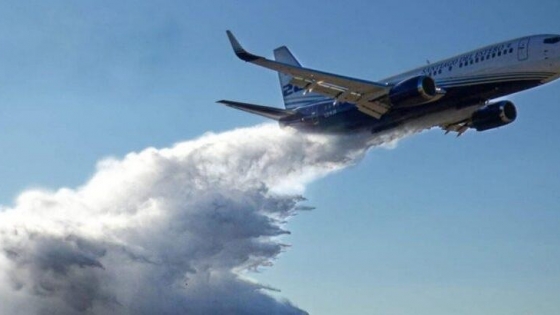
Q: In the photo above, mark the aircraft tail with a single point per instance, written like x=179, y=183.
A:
x=294, y=96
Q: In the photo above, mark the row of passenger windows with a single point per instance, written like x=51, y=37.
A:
x=493, y=55
x=476, y=60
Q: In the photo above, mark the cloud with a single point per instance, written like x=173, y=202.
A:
x=166, y=231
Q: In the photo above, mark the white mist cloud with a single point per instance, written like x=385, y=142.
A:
x=165, y=231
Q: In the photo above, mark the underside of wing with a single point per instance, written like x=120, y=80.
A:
x=265, y=111
x=481, y=118
x=458, y=127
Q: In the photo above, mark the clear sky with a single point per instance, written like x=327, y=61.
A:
x=437, y=225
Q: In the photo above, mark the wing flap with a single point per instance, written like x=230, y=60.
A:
x=374, y=109
x=459, y=127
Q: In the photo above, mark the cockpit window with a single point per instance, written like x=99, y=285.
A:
x=552, y=40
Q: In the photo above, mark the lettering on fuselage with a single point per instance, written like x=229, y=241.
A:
x=330, y=113
x=469, y=58
x=290, y=89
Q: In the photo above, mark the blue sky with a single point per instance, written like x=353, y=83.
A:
x=437, y=225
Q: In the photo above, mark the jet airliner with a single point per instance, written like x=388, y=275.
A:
x=455, y=94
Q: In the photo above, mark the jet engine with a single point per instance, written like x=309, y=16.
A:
x=493, y=116
x=413, y=91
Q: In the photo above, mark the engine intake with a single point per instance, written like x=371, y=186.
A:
x=413, y=91
x=494, y=116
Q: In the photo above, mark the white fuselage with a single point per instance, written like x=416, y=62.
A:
x=526, y=59
x=522, y=58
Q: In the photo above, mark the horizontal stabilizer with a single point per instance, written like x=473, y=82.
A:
x=265, y=111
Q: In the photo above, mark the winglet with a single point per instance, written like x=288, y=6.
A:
x=239, y=51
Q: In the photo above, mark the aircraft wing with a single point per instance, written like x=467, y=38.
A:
x=368, y=96
x=265, y=111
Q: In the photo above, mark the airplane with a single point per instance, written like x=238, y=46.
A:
x=455, y=94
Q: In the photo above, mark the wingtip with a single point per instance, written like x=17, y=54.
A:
x=238, y=49
x=234, y=43
x=227, y=103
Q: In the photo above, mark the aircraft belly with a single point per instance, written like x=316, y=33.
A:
x=459, y=101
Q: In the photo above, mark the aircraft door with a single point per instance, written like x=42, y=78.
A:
x=523, y=49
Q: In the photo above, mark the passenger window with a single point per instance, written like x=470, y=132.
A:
x=510, y=50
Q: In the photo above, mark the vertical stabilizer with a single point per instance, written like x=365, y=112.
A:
x=294, y=96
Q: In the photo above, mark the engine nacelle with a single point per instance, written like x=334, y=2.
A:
x=494, y=116
x=413, y=91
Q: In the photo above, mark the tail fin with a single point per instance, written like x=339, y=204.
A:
x=294, y=96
